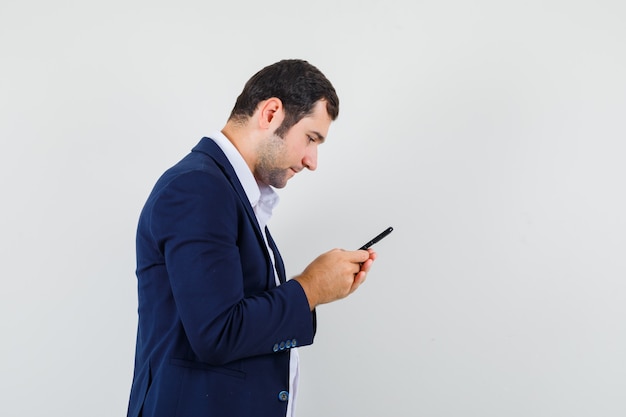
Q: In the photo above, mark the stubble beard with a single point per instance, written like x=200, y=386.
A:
x=268, y=169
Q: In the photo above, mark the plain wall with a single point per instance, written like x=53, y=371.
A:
x=489, y=134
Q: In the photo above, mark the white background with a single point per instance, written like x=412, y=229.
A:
x=489, y=134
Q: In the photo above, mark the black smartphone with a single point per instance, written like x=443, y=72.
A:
x=377, y=238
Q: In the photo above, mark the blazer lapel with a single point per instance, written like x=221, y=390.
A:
x=212, y=149
x=280, y=265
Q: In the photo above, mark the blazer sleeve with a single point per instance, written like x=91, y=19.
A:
x=195, y=221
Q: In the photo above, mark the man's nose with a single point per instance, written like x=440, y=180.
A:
x=310, y=159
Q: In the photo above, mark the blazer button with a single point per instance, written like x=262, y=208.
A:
x=282, y=345
x=293, y=343
x=276, y=347
x=288, y=344
x=283, y=396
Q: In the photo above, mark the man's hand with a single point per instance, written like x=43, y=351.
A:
x=335, y=275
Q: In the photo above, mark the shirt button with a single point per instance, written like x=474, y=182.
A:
x=283, y=396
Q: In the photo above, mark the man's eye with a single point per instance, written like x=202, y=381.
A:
x=311, y=139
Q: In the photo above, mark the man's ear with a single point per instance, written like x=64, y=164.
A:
x=271, y=113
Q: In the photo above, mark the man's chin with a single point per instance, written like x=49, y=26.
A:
x=282, y=181
x=281, y=184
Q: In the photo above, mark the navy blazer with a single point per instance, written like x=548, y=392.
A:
x=214, y=330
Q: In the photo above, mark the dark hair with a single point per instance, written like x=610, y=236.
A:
x=298, y=84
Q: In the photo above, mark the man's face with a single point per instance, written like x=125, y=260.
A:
x=279, y=159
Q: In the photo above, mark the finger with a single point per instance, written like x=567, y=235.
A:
x=359, y=256
x=358, y=280
x=367, y=265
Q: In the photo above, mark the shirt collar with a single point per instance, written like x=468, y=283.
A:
x=262, y=197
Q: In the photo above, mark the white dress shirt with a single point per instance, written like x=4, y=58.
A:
x=263, y=200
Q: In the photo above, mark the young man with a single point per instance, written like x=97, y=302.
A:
x=219, y=322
